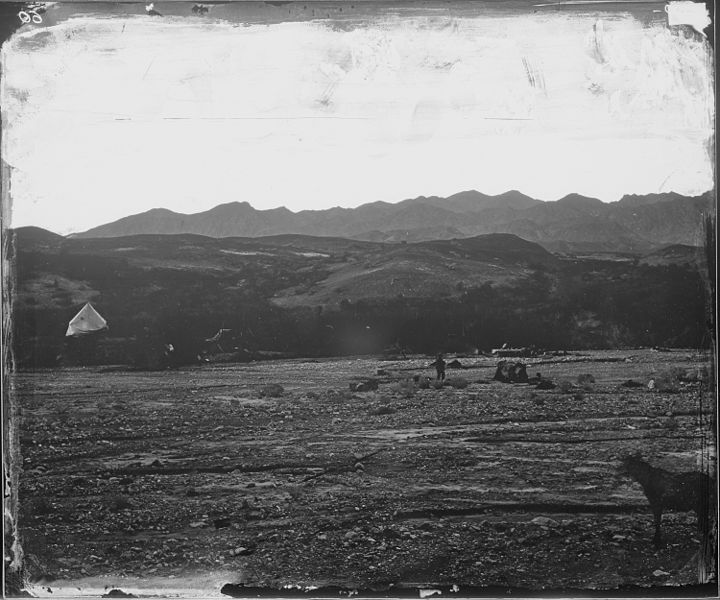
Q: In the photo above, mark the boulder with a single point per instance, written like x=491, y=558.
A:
x=369, y=385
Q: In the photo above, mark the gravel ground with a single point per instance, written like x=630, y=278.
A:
x=164, y=475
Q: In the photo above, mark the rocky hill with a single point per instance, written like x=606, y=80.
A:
x=573, y=223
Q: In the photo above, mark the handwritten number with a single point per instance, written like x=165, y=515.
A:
x=28, y=16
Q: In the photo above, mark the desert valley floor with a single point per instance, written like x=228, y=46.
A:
x=210, y=471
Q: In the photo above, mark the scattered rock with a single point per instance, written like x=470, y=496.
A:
x=370, y=385
x=115, y=593
x=196, y=524
x=565, y=386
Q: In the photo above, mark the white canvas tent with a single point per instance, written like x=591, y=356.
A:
x=88, y=320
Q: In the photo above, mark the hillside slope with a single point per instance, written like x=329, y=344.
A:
x=314, y=296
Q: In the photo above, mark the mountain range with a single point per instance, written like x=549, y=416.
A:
x=574, y=223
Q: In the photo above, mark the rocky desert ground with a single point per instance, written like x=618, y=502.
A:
x=276, y=473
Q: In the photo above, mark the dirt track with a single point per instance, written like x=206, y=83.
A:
x=191, y=471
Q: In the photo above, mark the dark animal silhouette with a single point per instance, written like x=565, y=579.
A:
x=674, y=491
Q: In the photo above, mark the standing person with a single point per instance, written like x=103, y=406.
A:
x=440, y=367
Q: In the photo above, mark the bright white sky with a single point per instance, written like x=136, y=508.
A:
x=106, y=117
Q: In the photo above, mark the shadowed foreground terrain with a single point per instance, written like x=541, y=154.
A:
x=212, y=472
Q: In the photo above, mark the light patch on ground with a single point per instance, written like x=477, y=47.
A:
x=312, y=254
x=246, y=253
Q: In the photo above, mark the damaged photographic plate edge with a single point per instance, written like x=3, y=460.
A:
x=22, y=17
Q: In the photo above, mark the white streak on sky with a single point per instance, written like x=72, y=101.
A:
x=109, y=117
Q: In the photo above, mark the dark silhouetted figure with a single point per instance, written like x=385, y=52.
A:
x=501, y=373
x=439, y=365
x=521, y=375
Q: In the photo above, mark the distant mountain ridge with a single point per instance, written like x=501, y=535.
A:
x=573, y=223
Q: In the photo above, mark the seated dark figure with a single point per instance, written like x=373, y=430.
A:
x=521, y=375
x=501, y=373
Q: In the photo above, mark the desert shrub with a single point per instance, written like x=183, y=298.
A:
x=586, y=380
x=459, y=383
x=664, y=383
x=405, y=387
x=117, y=502
x=338, y=395
x=565, y=386
x=272, y=390
x=673, y=373
x=436, y=384
x=536, y=399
